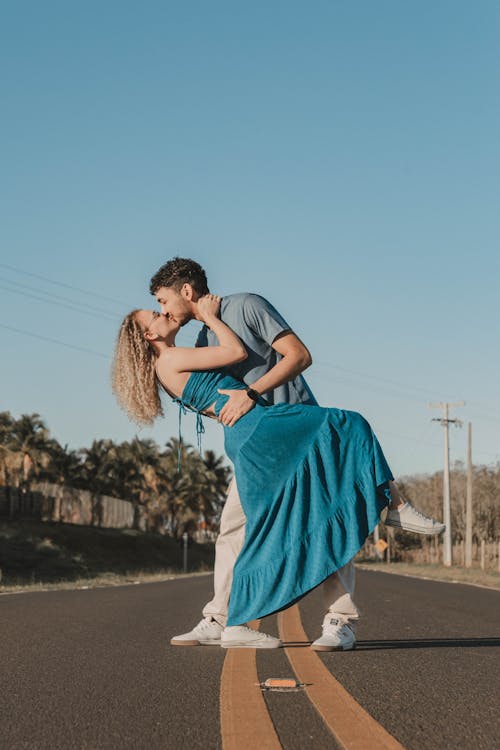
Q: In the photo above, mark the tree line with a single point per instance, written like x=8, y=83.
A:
x=139, y=471
x=172, y=502
x=426, y=491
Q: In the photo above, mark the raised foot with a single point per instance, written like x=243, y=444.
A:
x=409, y=518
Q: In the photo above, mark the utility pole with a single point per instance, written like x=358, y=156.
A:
x=185, y=539
x=468, y=507
x=445, y=422
x=376, y=537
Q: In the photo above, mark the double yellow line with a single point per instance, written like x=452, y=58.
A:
x=245, y=719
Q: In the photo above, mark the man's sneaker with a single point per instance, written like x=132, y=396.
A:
x=337, y=636
x=410, y=519
x=239, y=636
x=206, y=633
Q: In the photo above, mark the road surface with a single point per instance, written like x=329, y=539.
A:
x=92, y=669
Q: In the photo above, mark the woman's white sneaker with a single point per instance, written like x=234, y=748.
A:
x=206, y=633
x=239, y=636
x=410, y=519
x=337, y=636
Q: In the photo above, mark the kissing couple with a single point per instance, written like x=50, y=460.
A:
x=309, y=482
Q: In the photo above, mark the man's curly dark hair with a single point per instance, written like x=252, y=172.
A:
x=177, y=272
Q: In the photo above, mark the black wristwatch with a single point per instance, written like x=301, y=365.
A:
x=254, y=395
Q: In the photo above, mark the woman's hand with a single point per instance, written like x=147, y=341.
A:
x=208, y=307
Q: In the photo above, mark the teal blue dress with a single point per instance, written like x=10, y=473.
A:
x=312, y=482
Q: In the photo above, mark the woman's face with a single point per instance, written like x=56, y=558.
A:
x=156, y=323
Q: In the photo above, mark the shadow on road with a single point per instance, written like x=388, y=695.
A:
x=413, y=643
x=428, y=643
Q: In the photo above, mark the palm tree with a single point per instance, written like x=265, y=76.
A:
x=192, y=497
x=26, y=447
x=6, y=425
x=222, y=476
x=177, y=498
x=136, y=468
x=98, y=462
x=65, y=467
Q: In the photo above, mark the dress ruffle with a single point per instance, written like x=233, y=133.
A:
x=313, y=517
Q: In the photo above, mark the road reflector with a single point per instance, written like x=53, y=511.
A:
x=381, y=545
x=281, y=684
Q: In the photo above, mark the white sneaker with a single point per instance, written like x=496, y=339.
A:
x=239, y=636
x=337, y=636
x=206, y=633
x=410, y=519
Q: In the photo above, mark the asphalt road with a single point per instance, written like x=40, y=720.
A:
x=427, y=663
x=93, y=669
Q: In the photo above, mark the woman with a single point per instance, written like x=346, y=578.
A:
x=312, y=480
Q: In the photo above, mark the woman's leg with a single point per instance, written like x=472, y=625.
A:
x=397, y=500
x=338, y=591
x=341, y=617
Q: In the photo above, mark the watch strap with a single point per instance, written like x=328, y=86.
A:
x=254, y=395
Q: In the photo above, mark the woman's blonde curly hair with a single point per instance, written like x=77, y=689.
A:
x=133, y=375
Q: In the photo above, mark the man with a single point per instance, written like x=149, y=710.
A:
x=273, y=370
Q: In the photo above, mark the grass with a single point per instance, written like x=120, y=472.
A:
x=455, y=574
x=50, y=555
x=101, y=581
x=40, y=556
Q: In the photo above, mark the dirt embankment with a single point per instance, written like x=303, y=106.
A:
x=33, y=553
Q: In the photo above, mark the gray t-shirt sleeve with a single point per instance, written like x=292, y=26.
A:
x=263, y=319
x=202, y=339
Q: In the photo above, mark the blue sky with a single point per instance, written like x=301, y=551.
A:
x=341, y=159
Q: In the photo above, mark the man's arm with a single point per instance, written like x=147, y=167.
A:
x=295, y=359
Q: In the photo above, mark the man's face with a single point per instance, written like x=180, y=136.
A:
x=174, y=304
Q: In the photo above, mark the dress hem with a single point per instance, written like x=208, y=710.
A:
x=304, y=588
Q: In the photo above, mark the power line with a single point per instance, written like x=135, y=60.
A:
x=87, y=309
x=60, y=283
x=59, y=304
x=37, y=290
x=367, y=386
x=320, y=364
x=406, y=386
x=55, y=341
x=74, y=306
x=383, y=431
x=482, y=405
x=390, y=392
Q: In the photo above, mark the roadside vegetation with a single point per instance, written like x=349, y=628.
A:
x=455, y=574
x=140, y=471
x=169, y=504
x=35, y=553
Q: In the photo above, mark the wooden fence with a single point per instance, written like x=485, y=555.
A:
x=485, y=554
x=54, y=502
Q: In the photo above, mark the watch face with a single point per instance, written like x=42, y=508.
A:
x=252, y=394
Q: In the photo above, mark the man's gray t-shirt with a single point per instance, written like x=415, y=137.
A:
x=257, y=323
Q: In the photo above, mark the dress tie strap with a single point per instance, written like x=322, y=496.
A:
x=200, y=427
x=182, y=410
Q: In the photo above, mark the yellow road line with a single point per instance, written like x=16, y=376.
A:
x=350, y=724
x=244, y=718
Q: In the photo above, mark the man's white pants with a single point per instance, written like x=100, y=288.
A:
x=338, y=589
